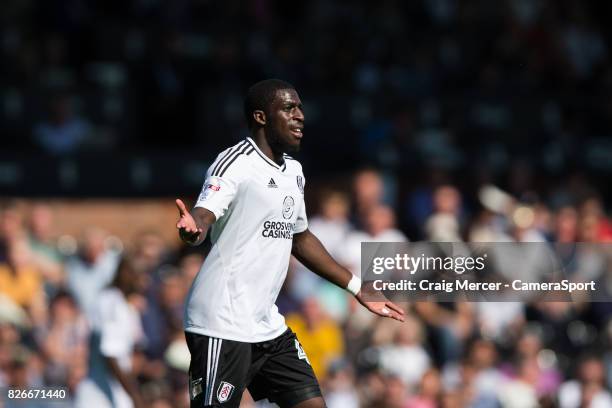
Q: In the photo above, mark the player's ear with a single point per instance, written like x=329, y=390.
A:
x=259, y=117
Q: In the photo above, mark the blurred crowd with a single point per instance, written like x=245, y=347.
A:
x=480, y=354
x=450, y=83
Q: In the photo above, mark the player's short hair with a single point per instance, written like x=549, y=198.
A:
x=260, y=96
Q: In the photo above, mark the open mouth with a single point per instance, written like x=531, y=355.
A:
x=297, y=132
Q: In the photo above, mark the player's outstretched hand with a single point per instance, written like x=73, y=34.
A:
x=188, y=229
x=376, y=302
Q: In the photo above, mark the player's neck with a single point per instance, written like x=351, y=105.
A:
x=264, y=146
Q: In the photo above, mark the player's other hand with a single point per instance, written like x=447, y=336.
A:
x=188, y=229
x=376, y=302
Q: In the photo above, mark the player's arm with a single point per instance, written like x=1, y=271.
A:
x=308, y=250
x=127, y=381
x=193, y=226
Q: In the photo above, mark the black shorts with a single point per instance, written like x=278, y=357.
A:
x=277, y=369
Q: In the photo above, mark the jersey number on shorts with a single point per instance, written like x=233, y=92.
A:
x=301, y=352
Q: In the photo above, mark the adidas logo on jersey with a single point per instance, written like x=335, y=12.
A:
x=272, y=184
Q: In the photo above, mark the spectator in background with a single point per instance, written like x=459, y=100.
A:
x=477, y=377
x=10, y=338
x=339, y=387
x=331, y=226
x=499, y=321
x=548, y=378
x=523, y=225
x=443, y=224
x=368, y=189
x=64, y=342
x=429, y=391
x=379, y=224
x=11, y=227
x=484, y=356
x=319, y=335
x=189, y=264
x=91, y=270
x=148, y=255
x=172, y=294
x=406, y=358
x=149, y=251
x=21, y=374
x=332, y=223
x=42, y=244
x=63, y=132
x=596, y=227
x=449, y=326
x=41, y=231
x=116, y=331
x=162, y=309
x=395, y=394
x=21, y=282
x=521, y=391
x=566, y=225
x=589, y=388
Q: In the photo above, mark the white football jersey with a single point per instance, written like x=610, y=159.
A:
x=259, y=205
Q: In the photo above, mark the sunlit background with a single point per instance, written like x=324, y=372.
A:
x=440, y=120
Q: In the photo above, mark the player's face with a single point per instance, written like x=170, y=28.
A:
x=286, y=122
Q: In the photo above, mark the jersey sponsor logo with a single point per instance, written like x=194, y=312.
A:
x=272, y=184
x=288, y=204
x=213, y=187
x=300, y=351
x=278, y=229
x=300, y=183
x=225, y=391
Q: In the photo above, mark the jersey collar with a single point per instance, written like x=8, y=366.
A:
x=265, y=158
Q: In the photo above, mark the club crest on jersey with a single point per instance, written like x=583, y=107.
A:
x=300, y=183
x=288, y=204
x=225, y=391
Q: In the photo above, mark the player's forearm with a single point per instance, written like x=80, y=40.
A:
x=308, y=250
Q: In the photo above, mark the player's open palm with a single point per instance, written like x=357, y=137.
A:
x=376, y=302
x=188, y=229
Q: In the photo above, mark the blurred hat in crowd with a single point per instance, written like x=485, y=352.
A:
x=177, y=356
x=12, y=313
x=495, y=199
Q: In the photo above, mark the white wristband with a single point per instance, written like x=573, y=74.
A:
x=354, y=285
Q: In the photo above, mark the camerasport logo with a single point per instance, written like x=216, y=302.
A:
x=225, y=391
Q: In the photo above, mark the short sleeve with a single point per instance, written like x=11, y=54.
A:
x=218, y=190
x=301, y=223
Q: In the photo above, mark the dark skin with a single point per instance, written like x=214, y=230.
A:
x=279, y=131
